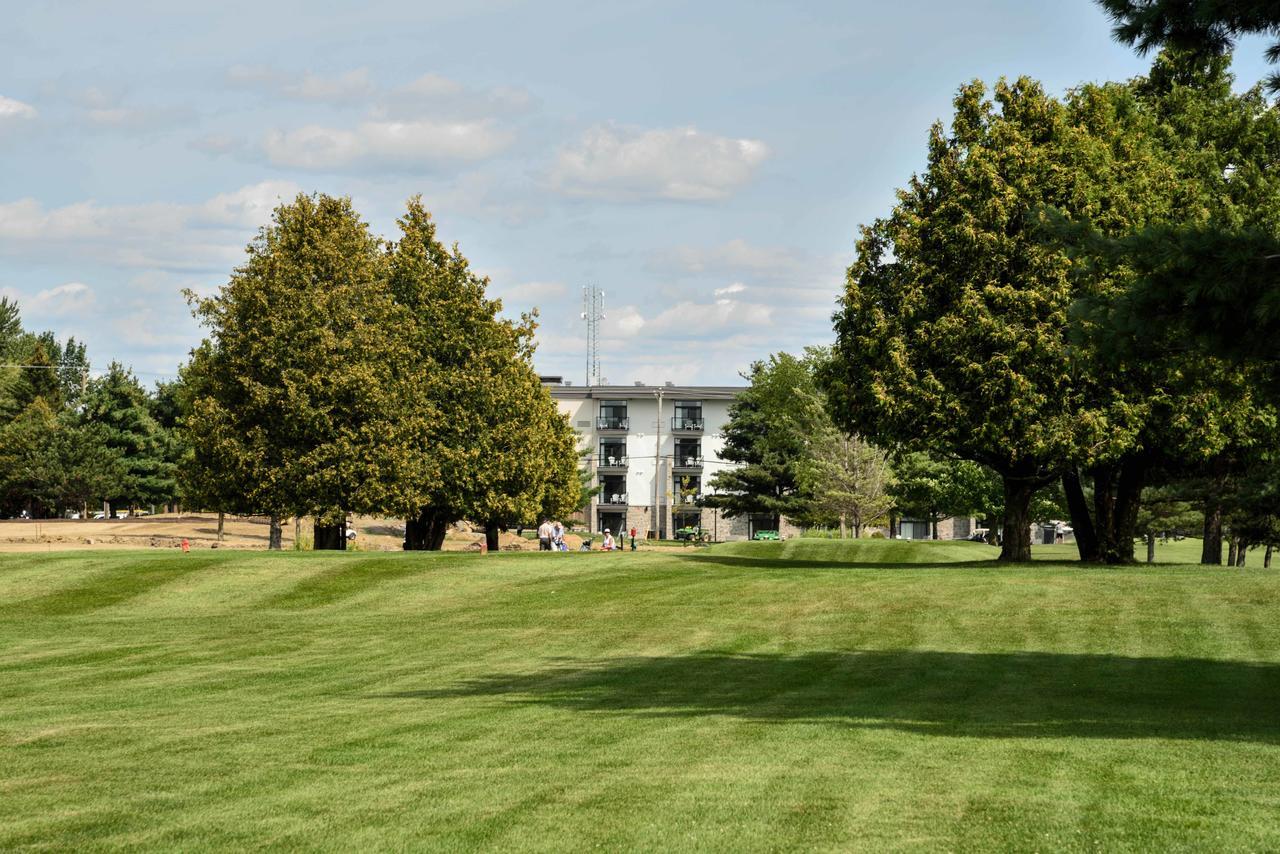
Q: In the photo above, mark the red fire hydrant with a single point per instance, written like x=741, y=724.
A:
x=186, y=546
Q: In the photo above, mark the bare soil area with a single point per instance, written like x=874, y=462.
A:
x=200, y=530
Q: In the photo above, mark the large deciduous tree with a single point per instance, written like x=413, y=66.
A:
x=497, y=451
x=298, y=394
x=951, y=335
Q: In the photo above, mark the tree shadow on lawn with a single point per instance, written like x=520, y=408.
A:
x=987, y=695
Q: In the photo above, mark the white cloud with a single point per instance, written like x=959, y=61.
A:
x=70, y=299
x=11, y=108
x=689, y=320
x=793, y=276
x=338, y=88
x=351, y=85
x=432, y=85
x=207, y=235
x=729, y=290
x=421, y=142
x=683, y=164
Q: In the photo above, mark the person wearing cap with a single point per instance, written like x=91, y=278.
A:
x=607, y=545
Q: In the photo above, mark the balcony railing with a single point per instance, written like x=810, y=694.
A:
x=611, y=461
x=690, y=425
x=613, y=499
x=611, y=422
x=687, y=461
x=690, y=498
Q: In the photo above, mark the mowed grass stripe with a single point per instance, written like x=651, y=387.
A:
x=551, y=702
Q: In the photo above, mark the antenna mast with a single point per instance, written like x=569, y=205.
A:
x=593, y=313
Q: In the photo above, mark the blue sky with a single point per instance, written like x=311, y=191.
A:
x=706, y=164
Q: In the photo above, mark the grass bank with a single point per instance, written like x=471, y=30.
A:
x=799, y=695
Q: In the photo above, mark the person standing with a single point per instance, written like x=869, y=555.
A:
x=557, y=537
x=544, y=536
x=633, y=538
x=608, y=544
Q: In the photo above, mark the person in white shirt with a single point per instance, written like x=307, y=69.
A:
x=607, y=545
x=557, y=537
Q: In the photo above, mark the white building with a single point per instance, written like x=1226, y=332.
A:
x=652, y=451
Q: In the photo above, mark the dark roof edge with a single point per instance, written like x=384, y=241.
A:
x=624, y=392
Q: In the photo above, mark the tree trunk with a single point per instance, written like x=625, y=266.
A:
x=1211, y=549
x=273, y=536
x=330, y=537
x=491, y=536
x=1017, y=519
x=297, y=533
x=933, y=525
x=1242, y=551
x=844, y=528
x=222, y=518
x=1231, y=552
x=1118, y=547
x=1151, y=546
x=1081, y=521
x=1266, y=557
x=893, y=525
x=425, y=533
x=992, y=536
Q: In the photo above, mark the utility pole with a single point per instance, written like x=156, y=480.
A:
x=593, y=313
x=659, y=484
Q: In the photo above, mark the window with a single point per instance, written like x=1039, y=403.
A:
x=688, y=415
x=613, y=452
x=688, y=453
x=613, y=415
x=613, y=490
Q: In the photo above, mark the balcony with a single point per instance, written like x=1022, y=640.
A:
x=689, y=499
x=612, y=499
x=686, y=462
x=612, y=422
x=682, y=424
x=611, y=461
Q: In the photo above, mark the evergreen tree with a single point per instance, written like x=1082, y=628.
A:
x=117, y=404
x=768, y=433
x=1201, y=26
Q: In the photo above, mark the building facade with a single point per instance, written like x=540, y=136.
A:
x=652, y=450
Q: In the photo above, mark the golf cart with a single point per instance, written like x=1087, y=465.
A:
x=766, y=535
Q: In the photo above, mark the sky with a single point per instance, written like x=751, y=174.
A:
x=706, y=164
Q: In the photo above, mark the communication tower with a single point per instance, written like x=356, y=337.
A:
x=593, y=313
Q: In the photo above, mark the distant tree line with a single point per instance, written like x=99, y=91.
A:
x=71, y=442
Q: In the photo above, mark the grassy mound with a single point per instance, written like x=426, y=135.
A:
x=725, y=699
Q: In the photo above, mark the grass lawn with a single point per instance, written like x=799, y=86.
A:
x=811, y=694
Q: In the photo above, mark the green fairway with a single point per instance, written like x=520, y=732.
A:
x=762, y=696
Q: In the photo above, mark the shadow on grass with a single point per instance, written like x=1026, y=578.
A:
x=986, y=695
